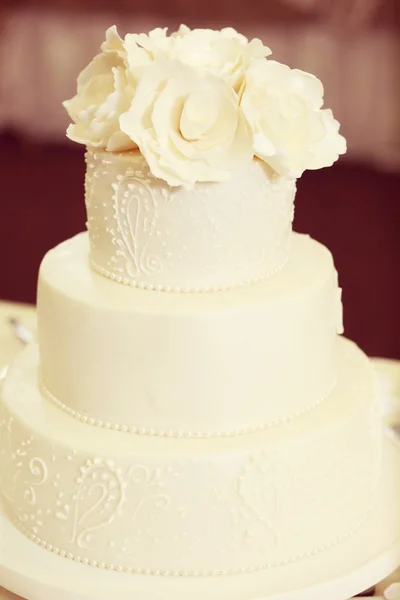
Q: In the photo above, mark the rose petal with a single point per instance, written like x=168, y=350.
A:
x=113, y=43
x=199, y=114
x=101, y=64
x=283, y=108
x=170, y=100
x=119, y=142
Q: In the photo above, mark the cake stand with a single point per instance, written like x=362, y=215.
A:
x=337, y=574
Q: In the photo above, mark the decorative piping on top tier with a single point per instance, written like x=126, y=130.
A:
x=175, y=433
x=167, y=288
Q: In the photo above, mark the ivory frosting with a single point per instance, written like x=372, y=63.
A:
x=184, y=507
x=217, y=363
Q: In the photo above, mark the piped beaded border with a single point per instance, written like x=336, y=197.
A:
x=176, y=433
x=193, y=573
x=181, y=290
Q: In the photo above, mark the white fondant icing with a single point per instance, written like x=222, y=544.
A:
x=170, y=432
x=190, y=507
x=218, y=235
x=209, y=363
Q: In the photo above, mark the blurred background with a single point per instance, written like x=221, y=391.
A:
x=353, y=208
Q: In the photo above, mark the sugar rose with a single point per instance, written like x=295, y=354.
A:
x=291, y=132
x=189, y=128
x=143, y=49
x=104, y=92
x=226, y=53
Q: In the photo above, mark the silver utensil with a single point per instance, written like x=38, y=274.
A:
x=22, y=334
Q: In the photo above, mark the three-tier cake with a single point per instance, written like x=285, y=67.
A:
x=190, y=406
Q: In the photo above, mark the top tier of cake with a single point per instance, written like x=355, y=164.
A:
x=219, y=235
x=195, y=141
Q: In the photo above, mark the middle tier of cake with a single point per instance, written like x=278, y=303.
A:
x=205, y=364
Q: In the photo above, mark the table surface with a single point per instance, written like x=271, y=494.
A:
x=388, y=372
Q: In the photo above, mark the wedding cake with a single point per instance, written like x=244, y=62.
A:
x=191, y=408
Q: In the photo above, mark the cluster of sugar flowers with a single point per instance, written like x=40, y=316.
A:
x=201, y=103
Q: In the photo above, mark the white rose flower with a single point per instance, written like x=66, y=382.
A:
x=226, y=53
x=283, y=108
x=143, y=49
x=188, y=128
x=113, y=43
x=104, y=93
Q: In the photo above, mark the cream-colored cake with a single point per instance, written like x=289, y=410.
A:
x=190, y=409
x=180, y=364
x=191, y=507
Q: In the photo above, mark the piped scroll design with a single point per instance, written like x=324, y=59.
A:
x=20, y=456
x=39, y=472
x=136, y=215
x=261, y=486
x=147, y=498
x=98, y=500
x=150, y=484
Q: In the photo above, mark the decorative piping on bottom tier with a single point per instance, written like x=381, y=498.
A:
x=193, y=573
x=167, y=288
x=178, y=434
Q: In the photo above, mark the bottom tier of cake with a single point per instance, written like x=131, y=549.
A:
x=190, y=507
